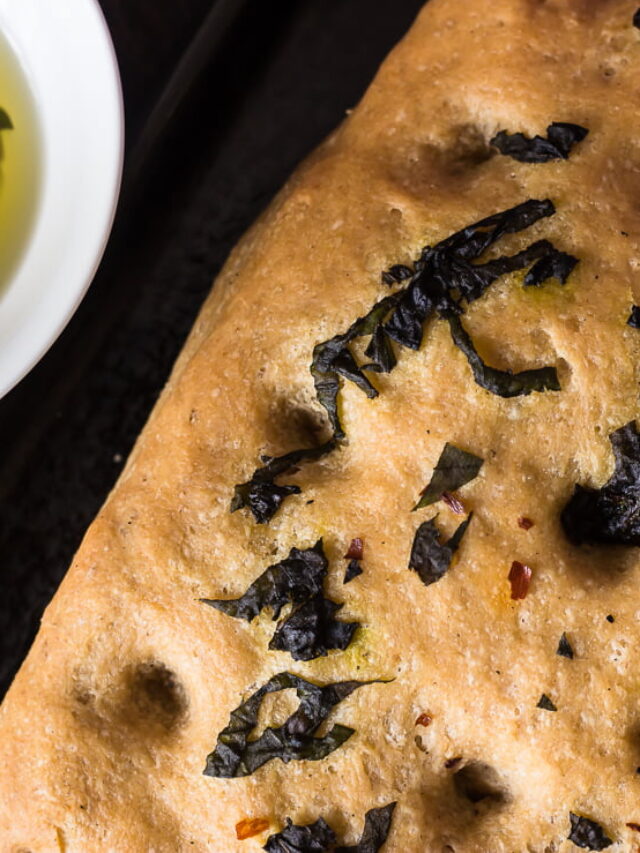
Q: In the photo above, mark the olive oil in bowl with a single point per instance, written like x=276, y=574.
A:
x=20, y=162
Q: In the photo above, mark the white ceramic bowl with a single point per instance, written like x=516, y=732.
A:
x=65, y=50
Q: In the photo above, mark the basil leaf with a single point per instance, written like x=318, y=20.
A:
x=634, y=317
x=446, y=269
x=553, y=264
x=377, y=823
x=396, y=274
x=503, y=383
x=610, y=515
x=332, y=359
x=235, y=755
x=318, y=837
x=291, y=581
x=455, y=468
x=380, y=351
x=560, y=139
x=261, y=495
x=564, y=648
x=545, y=703
x=429, y=558
x=5, y=120
x=352, y=571
x=310, y=631
x=587, y=833
x=315, y=837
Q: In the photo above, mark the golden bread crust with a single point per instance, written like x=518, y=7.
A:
x=105, y=731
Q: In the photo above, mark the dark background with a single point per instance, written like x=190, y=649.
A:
x=222, y=99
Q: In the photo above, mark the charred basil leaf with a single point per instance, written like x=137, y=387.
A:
x=443, y=279
x=429, y=557
x=545, y=703
x=503, y=383
x=564, y=648
x=377, y=823
x=310, y=631
x=333, y=359
x=315, y=837
x=554, y=264
x=318, y=837
x=455, y=468
x=634, y=317
x=380, y=351
x=235, y=755
x=352, y=571
x=444, y=274
x=261, y=494
x=610, y=515
x=560, y=139
x=396, y=274
x=587, y=833
x=291, y=581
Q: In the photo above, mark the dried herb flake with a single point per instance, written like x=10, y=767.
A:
x=235, y=755
x=587, y=833
x=634, y=317
x=609, y=515
x=429, y=557
x=560, y=139
x=352, y=571
x=453, y=470
x=545, y=703
x=564, y=648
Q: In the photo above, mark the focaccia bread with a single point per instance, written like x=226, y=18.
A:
x=482, y=671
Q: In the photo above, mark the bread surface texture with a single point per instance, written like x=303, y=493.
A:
x=105, y=732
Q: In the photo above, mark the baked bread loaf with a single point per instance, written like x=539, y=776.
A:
x=464, y=250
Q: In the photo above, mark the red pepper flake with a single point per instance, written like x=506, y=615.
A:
x=424, y=720
x=520, y=578
x=356, y=550
x=635, y=826
x=250, y=826
x=454, y=503
x=525, y=523
x=450, y=763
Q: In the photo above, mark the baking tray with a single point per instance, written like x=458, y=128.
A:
x=222, y=101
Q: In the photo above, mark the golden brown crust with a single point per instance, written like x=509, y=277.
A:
x=104, y=733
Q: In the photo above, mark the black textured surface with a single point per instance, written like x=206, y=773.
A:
x=275, y=79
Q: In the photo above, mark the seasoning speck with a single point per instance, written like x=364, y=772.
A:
x=424, y=720
x=250, y=826
x=525, y=523
x=454, y=503
x=519, y=578
x=610, y=618
x=356, y=550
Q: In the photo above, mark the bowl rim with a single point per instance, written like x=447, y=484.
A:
x=41, y=333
